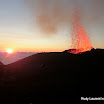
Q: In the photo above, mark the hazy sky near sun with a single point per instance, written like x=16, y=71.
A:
x=23, y=28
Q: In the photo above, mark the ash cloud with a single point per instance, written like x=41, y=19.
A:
x=51, y=14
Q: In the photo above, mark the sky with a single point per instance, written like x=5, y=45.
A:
x=23, y=28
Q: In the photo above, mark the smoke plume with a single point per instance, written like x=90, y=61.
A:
x=51, y=14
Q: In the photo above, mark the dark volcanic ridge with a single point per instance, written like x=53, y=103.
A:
x=46, y=77
x=55, y=57
x=77, y=50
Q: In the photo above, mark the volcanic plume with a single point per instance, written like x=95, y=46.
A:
x=51, y=15
x=80, y=40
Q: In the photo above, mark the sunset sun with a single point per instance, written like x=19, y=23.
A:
x=9, y=51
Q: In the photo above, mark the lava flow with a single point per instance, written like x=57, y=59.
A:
x=80, y=40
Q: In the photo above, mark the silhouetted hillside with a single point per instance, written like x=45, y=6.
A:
x=55, y=77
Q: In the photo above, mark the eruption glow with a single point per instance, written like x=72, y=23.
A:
x=80, y=40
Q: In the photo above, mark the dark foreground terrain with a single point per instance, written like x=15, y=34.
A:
x=57, y=77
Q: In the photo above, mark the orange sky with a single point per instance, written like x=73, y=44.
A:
x=21, y=30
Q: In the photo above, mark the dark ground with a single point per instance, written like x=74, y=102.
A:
x=57, y=77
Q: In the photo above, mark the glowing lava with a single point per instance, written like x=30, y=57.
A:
x=80, y=40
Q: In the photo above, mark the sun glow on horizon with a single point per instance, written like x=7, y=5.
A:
x=9, y=51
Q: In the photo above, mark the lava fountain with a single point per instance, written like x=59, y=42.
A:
x=80, y=40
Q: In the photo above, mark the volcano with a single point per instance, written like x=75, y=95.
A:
x=80, y=40
x=50, y=77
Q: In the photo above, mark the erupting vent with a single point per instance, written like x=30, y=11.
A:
x=80, y=40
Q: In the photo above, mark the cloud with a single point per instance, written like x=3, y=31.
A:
x=51, y=14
